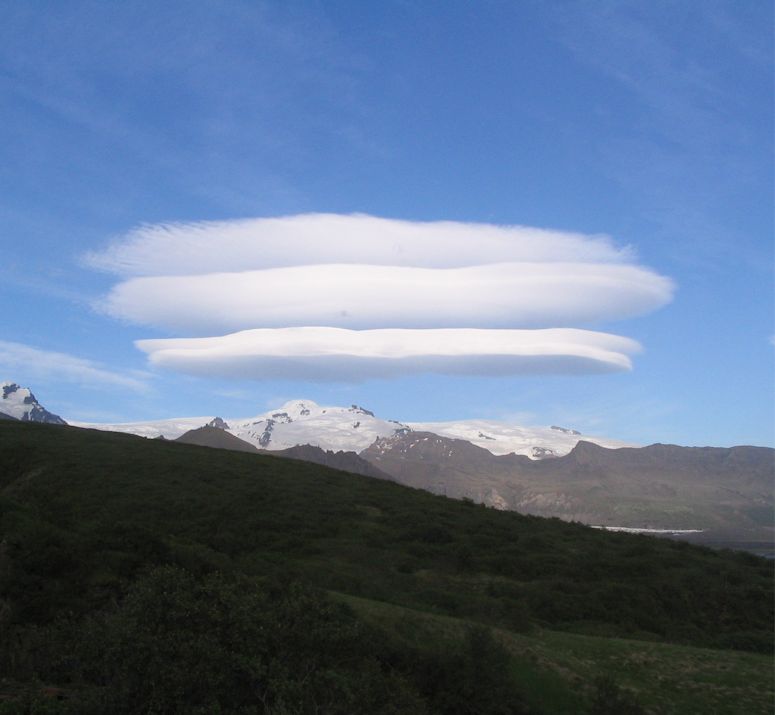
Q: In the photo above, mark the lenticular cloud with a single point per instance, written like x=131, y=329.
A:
x=174, y=249
x=322, y=296
x=354, y=355
x=353, y=296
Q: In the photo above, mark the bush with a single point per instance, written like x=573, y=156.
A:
x=610, y=699
x=473, y=679
x=182, y=644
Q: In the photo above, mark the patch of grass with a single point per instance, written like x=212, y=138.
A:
x=558, y=671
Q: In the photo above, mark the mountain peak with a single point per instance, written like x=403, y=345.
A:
x=19, y=402
x=218, y=423
x=299, y=408
x=10, y=388
x=217, y=437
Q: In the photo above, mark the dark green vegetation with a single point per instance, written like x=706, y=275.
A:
x=148, y=576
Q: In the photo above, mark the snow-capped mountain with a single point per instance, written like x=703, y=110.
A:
x=19, y=403
x=297, y=422
x=305, y=422
x=505, y=438
x=354, y=429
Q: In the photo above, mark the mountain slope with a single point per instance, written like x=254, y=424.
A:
x=141, y=575
x=345, y=461
x=661, y=486
x=219, y=438
x=84, y=511
x=209, y=436
x=552, y=471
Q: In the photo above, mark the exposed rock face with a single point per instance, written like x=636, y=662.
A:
x=218, y=423
x=266, y=435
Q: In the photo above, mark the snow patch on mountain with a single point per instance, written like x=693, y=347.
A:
x=504, y=438
x=169, y=429
x=305, y=422
x=218, y=423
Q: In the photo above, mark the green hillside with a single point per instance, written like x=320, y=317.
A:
x=163, y=577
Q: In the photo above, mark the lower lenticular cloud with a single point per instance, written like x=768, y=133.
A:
x=353, y=355
x=507, y=295
x=322, y=296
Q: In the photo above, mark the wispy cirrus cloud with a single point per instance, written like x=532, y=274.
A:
x=34, y=363
x=322, y=296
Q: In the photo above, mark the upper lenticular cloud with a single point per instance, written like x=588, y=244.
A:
x=354, y=355
x=507, y=295
x=309, y=239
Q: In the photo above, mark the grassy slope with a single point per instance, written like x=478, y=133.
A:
x=558, y=669
x=81, y=513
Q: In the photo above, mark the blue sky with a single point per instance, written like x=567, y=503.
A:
x=649, y=122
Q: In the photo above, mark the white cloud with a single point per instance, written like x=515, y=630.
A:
x=307, y=239
x=19, y=359
x=504, y=295
x=349, y=355
x=322, y=296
